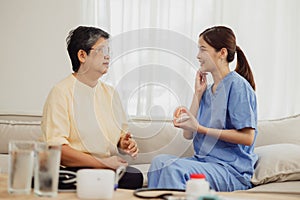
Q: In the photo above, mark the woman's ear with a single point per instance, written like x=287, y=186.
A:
x=81, y=56
x=223, y=53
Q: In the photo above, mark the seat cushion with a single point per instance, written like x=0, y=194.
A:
x=3, y=163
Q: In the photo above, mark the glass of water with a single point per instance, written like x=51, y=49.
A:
x=20, y=167
x=46, y=171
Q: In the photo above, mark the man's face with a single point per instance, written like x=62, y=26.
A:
x=100, y=54
x=98, y=59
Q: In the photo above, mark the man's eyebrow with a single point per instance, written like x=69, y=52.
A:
x=101, y=45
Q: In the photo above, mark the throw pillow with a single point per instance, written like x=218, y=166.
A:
x=277, y=163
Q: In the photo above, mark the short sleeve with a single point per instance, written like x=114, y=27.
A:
x=242, y=107
x=55, y=121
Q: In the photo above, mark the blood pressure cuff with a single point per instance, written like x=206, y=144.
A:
x=67, y=178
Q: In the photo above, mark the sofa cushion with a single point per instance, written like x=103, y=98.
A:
x=158, y=137
x=285, y=130
x=287, y=188
x=4, y=163
x=277, y=163
x=153, y=137
x=18, y=130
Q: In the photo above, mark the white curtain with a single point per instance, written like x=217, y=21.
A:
x=154, y=46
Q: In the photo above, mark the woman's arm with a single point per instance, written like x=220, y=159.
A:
x=73, y=158
x=244, y=136
x=200, y=87
x=193, y=109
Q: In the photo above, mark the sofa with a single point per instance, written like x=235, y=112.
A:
x=277, y=145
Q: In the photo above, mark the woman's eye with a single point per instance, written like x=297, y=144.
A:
x=201, y=49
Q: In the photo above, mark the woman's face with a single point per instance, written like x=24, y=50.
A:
x=207, y=56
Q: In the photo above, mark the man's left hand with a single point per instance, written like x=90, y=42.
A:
x=128, y=145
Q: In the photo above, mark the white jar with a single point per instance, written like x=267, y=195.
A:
x=197, y=186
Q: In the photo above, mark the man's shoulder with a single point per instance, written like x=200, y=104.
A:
x=66, y=82
x=106, y=86
x=64, y=85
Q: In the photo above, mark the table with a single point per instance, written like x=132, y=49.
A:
x=122, y=194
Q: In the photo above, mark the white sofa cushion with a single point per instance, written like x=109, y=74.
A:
x=18, y=130
x=288, y=188
x=277, y=163
x=278, y=131
x=158, y=137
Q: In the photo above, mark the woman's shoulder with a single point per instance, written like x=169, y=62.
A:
x=240, y=88
x=237, y=81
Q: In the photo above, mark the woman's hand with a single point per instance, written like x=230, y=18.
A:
x=113, y=162
x=128, y=145
x=200, y=82
x=184, y=119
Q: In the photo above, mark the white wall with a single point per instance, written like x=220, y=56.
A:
x=34, y=57
x=33, y=50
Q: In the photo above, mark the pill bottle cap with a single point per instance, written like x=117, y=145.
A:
x=197, y=176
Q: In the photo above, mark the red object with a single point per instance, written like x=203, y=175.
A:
x=197, y=176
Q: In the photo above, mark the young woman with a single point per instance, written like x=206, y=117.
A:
x=222, y=121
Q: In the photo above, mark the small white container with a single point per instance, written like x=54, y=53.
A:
x=197, y=186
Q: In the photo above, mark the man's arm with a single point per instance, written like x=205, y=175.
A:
x=73, y=158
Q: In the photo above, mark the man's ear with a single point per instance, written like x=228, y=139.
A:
x=81, y=56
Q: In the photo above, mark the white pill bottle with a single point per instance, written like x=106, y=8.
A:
x=196, y=187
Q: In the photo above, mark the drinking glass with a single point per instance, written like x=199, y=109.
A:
x=46, y=173
x=20, y=170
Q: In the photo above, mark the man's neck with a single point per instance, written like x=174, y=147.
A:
x=86, y=79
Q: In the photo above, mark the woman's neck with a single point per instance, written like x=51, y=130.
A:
x=218, y=76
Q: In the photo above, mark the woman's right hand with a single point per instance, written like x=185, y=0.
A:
x=190, y=123
x=200, y=82
x=113, y=162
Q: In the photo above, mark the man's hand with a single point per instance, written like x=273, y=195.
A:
x=128, y=145
x=113, y=162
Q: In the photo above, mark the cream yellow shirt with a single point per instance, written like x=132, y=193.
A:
x=88, y=119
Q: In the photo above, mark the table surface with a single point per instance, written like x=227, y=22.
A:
x=128, y=194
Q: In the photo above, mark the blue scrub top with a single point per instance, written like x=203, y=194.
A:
x=232, y=106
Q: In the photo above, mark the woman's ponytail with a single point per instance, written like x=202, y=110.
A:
x=243, y=67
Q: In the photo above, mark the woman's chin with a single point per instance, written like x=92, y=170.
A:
x=203, y=69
